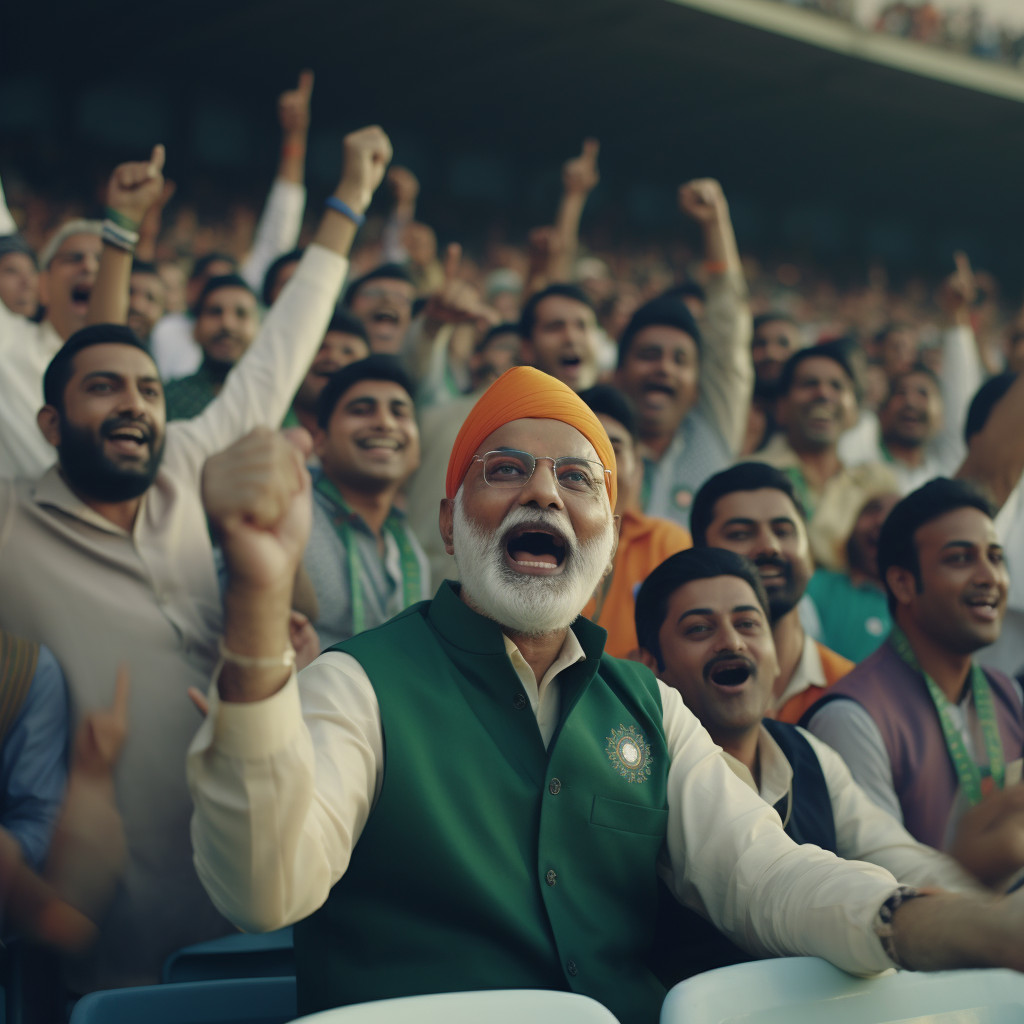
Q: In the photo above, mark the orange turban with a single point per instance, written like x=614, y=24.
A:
x=527, y=393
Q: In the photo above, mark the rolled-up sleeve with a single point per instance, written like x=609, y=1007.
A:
x=282, y=789
x=729, y=859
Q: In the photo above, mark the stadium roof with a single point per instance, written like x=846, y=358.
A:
x=826, y=137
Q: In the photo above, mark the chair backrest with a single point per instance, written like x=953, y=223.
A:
x=270, y=955
x=235, y=1001
x=807, y=990
x=501, y=1006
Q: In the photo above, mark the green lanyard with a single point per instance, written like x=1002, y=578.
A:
x=410, y=564
x=967, y=772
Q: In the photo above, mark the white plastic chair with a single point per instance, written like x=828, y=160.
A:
x=809, y=990
x=501, y=1006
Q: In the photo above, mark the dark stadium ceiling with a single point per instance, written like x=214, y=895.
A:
x=484, y=100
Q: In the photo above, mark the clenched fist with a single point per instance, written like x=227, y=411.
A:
x=135, y=187
x=367, y=155
x=703, y=200
x=257, y=497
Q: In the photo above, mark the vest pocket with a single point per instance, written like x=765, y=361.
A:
x=628, y=817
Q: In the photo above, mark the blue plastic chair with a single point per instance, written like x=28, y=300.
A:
x=235, y=1001
x=501, y=1006
x=808, y=990
x=271, y=955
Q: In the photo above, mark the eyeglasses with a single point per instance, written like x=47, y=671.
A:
x=511, y=470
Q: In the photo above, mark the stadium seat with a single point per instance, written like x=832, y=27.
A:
x=807, y=990
x=235, y=956
x=501, y=1006
x=233, y=1001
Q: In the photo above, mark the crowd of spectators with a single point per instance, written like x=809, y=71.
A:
x=165, y=381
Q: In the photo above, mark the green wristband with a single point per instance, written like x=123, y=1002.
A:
x=121, y=220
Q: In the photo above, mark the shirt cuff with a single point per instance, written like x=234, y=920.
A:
x=257, y=729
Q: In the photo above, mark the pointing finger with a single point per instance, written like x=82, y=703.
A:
x=963, y=264
x=591, y=147
x=122, y=687
x=156, y=160
x=305, y=88
x=452, y=259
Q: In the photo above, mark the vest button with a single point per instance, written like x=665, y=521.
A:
x=551, y=877
x=519, y=701
x=571, y=967
x=555, y=787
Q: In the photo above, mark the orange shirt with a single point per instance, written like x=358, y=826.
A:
x=834, y=667
x=644, y=543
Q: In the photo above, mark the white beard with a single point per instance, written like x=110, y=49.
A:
x=521, y=602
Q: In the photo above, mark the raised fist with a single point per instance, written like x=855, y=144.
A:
x=703, y=200
x=134, y=187
x=256, y=494
x=457, y=301
x=293, y=106
x=580, y=173
x=405, y=186
x=367, y=155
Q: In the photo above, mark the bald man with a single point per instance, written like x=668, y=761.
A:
x=535, y=788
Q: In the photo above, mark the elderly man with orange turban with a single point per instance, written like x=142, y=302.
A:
x=473, y=795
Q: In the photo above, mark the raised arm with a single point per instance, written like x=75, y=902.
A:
x=7, y=225
x=133, y=188
x=726, y=372
x=260, y=388
x=279, y=801
x=995, y=454
x=281, y=220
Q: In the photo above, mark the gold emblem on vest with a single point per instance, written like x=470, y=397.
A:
x=629, y=753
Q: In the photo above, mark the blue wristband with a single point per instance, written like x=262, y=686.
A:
x=343, y=208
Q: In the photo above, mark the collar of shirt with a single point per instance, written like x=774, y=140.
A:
x=808, y=673
x=52, y=490
x=330, y=496
x=544, y=699
x=776, y=771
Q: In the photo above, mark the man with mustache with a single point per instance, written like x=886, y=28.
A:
x=691, y=386
x=511, y=831
x=363, y=560
x=932, y=737
x=703, y=621
x=108, y=558
x=226, y=321
x=816, y=403
x=851, y=605
x=753, y=509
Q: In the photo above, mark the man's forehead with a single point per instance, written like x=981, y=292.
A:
x=821, y=366
x=85, y=241
x=968, y=525
x=719, y=593
x=378, y=390
x=232, y=294
x=765, y=504
x=563, y=307
x=539, y=437
x=114, y=357
x=667, y=335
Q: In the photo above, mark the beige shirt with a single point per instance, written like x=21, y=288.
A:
x=863, y=830
x=283, y=788
x=835, y=506
x=97, y=595
x=808, y=673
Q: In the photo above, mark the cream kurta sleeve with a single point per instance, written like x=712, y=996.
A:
x=865, y=832
x=282, y=789
x=730, y=860
x=726, y=370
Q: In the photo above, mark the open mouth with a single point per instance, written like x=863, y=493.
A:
x=530, y=548
x=385, y=316
x=658, y=388
x=80, y=295
x=571, y=361
x=731, y=673
x=984, y=607
x=130, y=440
x=386, y=444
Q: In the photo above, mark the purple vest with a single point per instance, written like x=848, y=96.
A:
x=898, y=700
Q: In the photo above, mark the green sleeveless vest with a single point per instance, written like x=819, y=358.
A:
x=489, y=862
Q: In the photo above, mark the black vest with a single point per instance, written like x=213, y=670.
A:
x=687, y=944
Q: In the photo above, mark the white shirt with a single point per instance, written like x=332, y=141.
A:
x=863, y=830
x=1007, y=653
x=284, y=786
x=174, y=348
